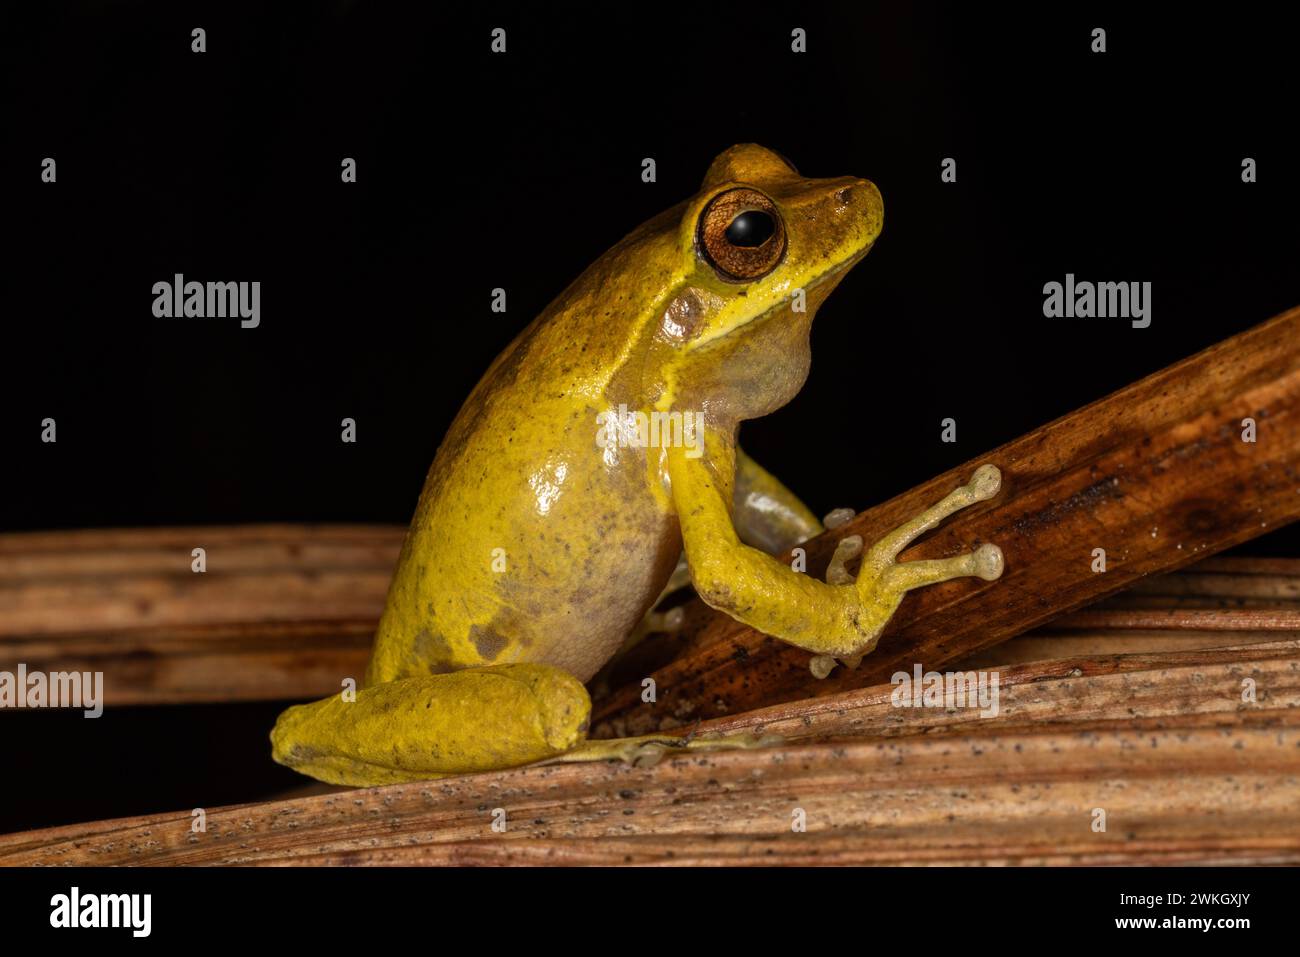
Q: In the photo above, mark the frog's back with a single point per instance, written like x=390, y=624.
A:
x=530, y=542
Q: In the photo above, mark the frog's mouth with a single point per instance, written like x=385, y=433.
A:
x=815, y=292
x=837, y=271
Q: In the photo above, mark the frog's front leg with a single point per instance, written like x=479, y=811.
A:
x=767, y=514
x=841, y=620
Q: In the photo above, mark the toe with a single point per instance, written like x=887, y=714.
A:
x=988, y=562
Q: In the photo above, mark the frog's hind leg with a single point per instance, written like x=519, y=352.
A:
x=476, y=719
x=430, y=726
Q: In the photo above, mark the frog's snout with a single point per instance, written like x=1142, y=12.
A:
x=860, y=196
x=861, y=202
x=845, y=195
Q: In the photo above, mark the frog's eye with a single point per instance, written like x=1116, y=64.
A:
x=741, y=235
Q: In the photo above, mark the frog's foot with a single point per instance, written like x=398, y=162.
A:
x=837, y=573
x=894, y=578
x=849, y=548
x=647, y=750
x=837, y=517
x=663, y=622
x=881, y=562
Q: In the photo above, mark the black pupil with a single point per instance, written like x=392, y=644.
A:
x=750, y=229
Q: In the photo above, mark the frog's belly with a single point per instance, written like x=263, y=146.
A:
x=556, y=564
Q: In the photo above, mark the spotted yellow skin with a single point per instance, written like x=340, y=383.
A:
x=589, y=538
x=538, y=712
x=533, y=546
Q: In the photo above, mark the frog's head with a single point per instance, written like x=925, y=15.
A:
x=758, y=249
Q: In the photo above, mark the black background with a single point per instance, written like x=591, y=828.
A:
x=478, y=170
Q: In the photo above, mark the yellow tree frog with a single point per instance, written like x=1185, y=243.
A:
x=539, y=544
